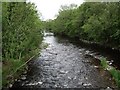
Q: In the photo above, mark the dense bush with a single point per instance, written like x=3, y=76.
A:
x=21, y=35
x=93, y=21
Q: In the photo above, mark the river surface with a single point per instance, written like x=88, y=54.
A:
x=64, y=65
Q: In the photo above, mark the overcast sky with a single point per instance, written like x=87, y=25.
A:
x=49, y=8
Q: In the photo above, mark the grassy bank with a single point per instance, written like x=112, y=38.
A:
x=113, y=71
x=13, y=68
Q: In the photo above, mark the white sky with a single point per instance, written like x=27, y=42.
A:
x=49, y=8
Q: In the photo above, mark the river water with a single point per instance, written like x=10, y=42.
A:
x=64, y=65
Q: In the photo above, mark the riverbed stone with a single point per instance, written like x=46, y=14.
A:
x=64, y=65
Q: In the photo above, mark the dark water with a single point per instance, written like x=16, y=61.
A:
x=65, y=64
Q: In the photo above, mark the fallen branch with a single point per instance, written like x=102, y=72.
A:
x=23, y=65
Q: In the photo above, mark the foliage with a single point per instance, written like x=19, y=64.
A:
x=115, y=73
x=21, y=35
x=93, y=21
x=104, y=63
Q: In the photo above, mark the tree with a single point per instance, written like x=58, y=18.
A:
x=21, y=35
x=93, y=21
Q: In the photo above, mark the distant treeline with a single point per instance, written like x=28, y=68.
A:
x=93, y=21
x=21, y=36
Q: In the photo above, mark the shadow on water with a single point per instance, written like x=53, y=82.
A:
x=107, y=52
x=65, y=64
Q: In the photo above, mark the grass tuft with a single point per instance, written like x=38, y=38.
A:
x=115, y=73
x=104, y=63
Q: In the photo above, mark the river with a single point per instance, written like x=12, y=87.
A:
x=64, y=64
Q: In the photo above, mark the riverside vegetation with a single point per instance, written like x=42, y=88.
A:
x=115, y=73
x=21, y=36
x=22, y=30
x=92, y=21
x=97, y=22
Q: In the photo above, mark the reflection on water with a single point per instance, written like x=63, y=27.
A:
x=50, y=40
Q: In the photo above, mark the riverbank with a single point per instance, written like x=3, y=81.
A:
x=21, y=37
x=12, y=69
x=64, y=65
x=105, y=49
x=97, y=59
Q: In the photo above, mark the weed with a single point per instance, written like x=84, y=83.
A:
x=104, y=63
x=115, y=73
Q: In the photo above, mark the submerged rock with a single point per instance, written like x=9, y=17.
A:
x=64, y=65
x=23, y=77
